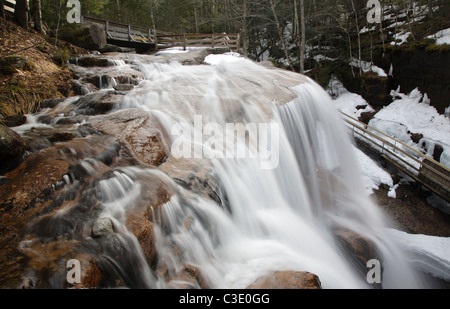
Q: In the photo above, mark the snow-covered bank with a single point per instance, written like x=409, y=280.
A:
x=429, y=254
x=442, y=37
x=407, y=115
x=412, y=114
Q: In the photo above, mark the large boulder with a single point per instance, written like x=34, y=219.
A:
x=11, y=64
x=139, y=131
x=288, y=280
x=88, y=35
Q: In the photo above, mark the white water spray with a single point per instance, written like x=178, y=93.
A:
x=272, y=220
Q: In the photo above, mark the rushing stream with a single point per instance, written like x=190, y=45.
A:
x=285, y=196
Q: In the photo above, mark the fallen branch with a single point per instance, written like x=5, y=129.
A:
x=18, y=51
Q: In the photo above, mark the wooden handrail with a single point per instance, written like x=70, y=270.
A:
x=124, y=32
x=429, y=172
x=415, y=151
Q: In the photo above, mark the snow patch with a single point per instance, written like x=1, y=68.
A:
x=346, y=102
x=411, y=113
x=368, y=67
x=373, y=174
x=223, y=58
x=430, y=254
x=442, y=37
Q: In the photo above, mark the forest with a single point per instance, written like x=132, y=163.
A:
x=270, y=29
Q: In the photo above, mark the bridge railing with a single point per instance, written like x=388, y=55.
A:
x=124, y=32
x=200, y=40
x=427, y=171
x=162, y=39
x=9, y=5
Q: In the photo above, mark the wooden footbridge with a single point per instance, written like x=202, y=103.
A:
x=151, y=39
x=423, y=169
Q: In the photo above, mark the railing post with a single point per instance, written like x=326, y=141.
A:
x=184, y=41
x=212, y=41
x=107, y=28
x=129, y=33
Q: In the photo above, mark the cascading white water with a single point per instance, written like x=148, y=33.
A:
x=275, y=219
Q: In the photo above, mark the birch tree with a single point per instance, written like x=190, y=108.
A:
x=280, y=34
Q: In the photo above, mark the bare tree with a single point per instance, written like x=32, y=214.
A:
x=303, y=36
x=280, y=34
x=358, y=35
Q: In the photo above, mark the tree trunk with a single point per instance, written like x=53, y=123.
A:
x=303, y=34
x=21, y=13
x=58, y=21
x=280, y=34
x=244, y=28
x=37, y=15
x=359, y=36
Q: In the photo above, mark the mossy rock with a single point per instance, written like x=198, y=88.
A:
x=10, y=64
x=89, y=35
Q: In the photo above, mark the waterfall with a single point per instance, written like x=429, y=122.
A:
x=280, y=162
x=275, y=219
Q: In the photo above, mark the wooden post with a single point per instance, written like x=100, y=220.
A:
x=184, y=42
x=149, y=36
x=106, y=28
x=129, y=33
x=212, y=41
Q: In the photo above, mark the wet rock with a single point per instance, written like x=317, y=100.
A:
x=91, y=61
x=62, y=136
x=416, y=137
x=81, y=88
x=99, y=81
x=124, y=87
x=102, y=227
x=287, y=280
x=14, y=121
x=437, y=153
x=111, y=48
x=366, y=117
x=359, y=249
x=51, y=103
x=194, y=175
x=141, y=226
x=26, y=194
x=188, y=278
x=98, y=103
x=49, y=262
x=12, y=148
x=218, y=50
x=136, y=128
x=141, y=219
